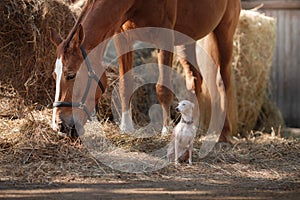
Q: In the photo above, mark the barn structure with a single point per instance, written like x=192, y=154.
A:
x=285, y=81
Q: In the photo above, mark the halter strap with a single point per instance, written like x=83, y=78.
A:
x=91, y=72
x=91, y=76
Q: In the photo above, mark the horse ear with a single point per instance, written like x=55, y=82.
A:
x=77, y=38
x=54, y=37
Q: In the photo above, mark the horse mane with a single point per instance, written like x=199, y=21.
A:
x=79, y=20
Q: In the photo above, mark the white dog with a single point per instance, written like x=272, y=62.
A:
x=181, y=145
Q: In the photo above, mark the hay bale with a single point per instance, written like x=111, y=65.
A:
x=269, y=116
x=26, y=54
x=254, y=46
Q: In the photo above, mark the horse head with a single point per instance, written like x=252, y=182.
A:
x=79, y=86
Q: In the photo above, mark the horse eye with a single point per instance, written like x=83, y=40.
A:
x=70, y=76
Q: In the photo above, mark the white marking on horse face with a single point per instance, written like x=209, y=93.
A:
x=58, y=72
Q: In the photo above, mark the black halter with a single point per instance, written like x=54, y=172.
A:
x=91, y=75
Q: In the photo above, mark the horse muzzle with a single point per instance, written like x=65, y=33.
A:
x=72, y=130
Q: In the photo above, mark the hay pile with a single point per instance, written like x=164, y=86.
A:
x=253, y=52
x=36, y=155
x=27, y=55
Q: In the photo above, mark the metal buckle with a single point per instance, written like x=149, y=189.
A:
x=81, y=106
x=91, y=74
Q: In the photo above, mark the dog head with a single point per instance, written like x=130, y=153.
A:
x=185, y=107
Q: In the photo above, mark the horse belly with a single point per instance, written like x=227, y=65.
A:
x=197, y=18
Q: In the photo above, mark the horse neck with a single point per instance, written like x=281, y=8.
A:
x=103, y=19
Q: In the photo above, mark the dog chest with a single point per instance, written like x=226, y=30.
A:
x=184, y=134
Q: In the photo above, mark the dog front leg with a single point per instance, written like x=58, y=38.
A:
x=190, y=153
x=176, y=151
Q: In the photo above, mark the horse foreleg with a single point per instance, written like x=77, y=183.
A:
x=163, y=86
x=124, y=49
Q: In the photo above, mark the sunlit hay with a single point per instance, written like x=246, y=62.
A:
x=125, y=152
x=77, y=6
x=253, y=53
x=259, y=156
x=27, y=55
x=35, y=153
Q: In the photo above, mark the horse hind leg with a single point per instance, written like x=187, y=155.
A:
x=224, y=34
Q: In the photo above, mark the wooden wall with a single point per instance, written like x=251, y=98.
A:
x=285, y=74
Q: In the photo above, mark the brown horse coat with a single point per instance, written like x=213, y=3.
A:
x=101, y=19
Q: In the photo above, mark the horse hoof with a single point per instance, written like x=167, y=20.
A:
x=126, y=122
x=126, y=128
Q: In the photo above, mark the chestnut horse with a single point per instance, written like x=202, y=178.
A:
x=101, y=19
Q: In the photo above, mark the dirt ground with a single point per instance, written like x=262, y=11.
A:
x=185, y=183
x=36, y=164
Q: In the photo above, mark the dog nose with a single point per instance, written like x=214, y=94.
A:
x=177, y=109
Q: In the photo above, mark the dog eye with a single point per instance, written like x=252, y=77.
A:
x=70, y=76
x=183, y=104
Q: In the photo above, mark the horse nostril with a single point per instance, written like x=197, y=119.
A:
x=62, y=127
x=73, y=132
